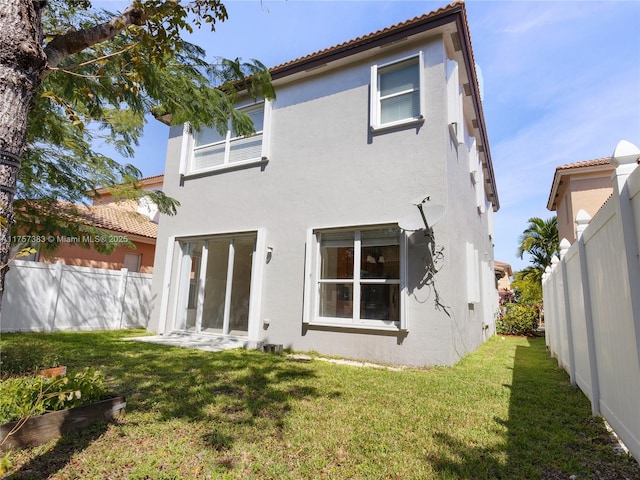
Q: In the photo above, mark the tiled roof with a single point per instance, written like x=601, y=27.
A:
x=107, y=196
x=152, y=177
x=586, y=163
x=366, y=39
x=121, y=217
x=118, y=218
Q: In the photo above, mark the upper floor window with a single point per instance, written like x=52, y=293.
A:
x=396, y=93
x=213, y=150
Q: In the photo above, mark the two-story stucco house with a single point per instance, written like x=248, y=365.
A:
x=301, y=235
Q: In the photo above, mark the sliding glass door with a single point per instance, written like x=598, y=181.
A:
x=215, y=284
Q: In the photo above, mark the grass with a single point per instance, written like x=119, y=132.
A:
x=506, y=411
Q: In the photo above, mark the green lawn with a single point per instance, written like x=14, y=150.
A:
x=506, y=411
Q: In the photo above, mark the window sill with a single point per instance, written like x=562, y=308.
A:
x=395, y=125
x=226, y=167
x=356, y=326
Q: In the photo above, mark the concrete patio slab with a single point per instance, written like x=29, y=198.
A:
x=207, y=342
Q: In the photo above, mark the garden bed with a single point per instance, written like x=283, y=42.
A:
x=42, y=428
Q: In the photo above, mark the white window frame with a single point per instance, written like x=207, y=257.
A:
x=311, y=311
x=375, y=100
x=189, y=148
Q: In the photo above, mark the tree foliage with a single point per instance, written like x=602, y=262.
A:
x=540, y=241
x=528, y=290
x=105, y=73
x=72, y=75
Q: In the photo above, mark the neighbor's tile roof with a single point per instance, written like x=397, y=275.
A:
x=587, y=163
x=121, y=218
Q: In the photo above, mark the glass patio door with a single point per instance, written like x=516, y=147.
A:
x=215, y=285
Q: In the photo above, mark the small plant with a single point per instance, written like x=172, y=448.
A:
x=518, y=320
x=5, y=463
x=24, y=397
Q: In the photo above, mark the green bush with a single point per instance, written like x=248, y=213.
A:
x=23, y=397
x=518, y=320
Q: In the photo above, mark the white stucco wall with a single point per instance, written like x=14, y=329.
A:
x=326, y=169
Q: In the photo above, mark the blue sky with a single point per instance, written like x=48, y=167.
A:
x=561, y=80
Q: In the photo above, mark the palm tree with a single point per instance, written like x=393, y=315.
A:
x=540, y=241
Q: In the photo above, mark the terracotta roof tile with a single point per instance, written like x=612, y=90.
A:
x=350, y=44
x=587, y=163
x=119, y=218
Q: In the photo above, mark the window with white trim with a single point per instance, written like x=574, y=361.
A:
x=396, y=93
x=358, y=277
x=213, y=150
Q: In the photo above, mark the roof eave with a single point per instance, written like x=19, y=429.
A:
x=463, y=31
x=312, y=61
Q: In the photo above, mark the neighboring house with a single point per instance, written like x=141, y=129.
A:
x=305, y=233
x=124, y=221
x=503, y=280
x=579, y=186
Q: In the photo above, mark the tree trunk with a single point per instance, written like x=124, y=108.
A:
x=22, y=63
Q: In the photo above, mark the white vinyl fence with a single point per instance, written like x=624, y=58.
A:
x=592, y=303
x=45, y=297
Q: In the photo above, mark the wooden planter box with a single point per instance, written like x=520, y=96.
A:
x=38, y=430
x=60, y=370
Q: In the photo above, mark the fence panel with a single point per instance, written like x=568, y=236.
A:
x=45, y=297
x=601, y=310
x=137, y=301
x=578, y=321
x=614, y=331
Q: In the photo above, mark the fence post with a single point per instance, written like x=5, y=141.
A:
x=547, y=303
x=582, y=221
x=564, y=247
x=625, y=160
x=546, y=308
x=120, y=298
x=54, y=294
x=558, y=324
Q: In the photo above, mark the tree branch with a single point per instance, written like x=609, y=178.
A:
x=75, y=41
x=68, y=68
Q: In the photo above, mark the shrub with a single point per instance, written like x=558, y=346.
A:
x=518, y=320
x=23, y=397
